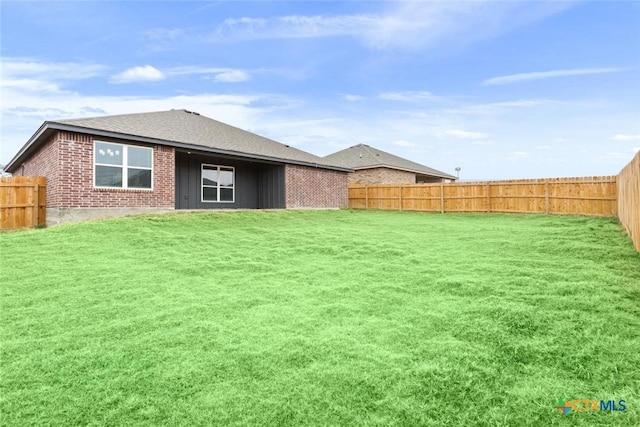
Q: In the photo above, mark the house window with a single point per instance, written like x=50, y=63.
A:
x=218, y=183
x=122, y=166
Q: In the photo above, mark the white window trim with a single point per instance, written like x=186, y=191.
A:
x=202, y=186
x=125, y=166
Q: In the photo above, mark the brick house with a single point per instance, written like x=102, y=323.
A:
x=373, y=166
x=177, y=159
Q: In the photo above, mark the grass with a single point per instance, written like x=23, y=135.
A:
x=319, y=318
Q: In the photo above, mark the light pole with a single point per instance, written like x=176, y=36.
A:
x=458, y=168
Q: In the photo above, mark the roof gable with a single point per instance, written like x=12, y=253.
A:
x=362, y=156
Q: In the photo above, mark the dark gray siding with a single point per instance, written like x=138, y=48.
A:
x=257, y=185
x=271, y=187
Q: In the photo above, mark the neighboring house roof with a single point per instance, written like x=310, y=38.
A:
x=180, y=129
x=362, y=156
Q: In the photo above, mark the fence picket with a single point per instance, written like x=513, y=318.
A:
x=629, y=199
x=583, y=196
x=22, y=202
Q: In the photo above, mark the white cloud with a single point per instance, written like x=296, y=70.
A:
x=621, y=137
x=188, y=70
x=353, y=98
x=543, y=147
x=615, y=156
x=539, y=75
x=22, y=111
x=243, y=23
x=294, y=26
x=30, y=68
x=403, y=143
x=66, y=105
x=30, y=85
x=35, y=76
x=463, y=134
x=453, y=24
x=399, y=23
x=410, y=96
x=162, y=39
x=323, y=26
x=319, y=136
x=519, y=155
x=495, y=107
x=233, y=76
x=145, y=73
x=512, y=104
x=169, y=34
x=29, y=75
x=220, y=74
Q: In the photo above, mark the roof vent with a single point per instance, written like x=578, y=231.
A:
x=191, y=112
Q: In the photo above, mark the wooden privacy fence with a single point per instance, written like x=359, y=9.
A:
x=629, y=199
x=22, y=202
x=584, y=196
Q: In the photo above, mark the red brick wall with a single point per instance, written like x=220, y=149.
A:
x=45, y=163
x=76, y=178
x=308, y=187
x=382, y=176
x=66, y=160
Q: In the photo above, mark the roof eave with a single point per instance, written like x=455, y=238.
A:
x=434, y=173
x=48, y=126
x=31, y=144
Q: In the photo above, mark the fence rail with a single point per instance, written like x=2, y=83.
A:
x=22, y=202
x=629, y=199
x=595, y=196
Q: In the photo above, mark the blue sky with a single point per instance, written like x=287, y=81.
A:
x=502, y=89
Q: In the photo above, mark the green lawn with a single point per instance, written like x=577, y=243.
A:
x=319, y=318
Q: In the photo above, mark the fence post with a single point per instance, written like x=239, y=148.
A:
x=534, y=195
x=546, y=196
x=19, y=194
x=366, y=197
x=488, y=197
x=36, y=204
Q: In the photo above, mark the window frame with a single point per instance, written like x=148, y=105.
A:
x=124, y=166
x=218, y=186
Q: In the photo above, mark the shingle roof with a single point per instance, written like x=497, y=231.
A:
x=192, y=128
x=186, y=129
x=362, y=156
